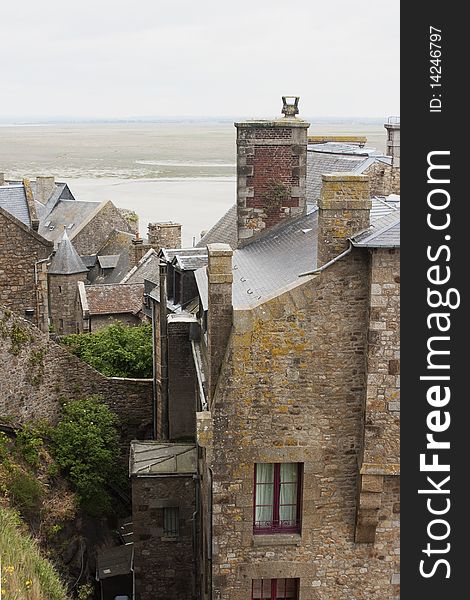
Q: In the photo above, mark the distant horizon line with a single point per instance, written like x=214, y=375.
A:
x=52, y=120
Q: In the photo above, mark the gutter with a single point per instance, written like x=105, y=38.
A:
x=329, y=263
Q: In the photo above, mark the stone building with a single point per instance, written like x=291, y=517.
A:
x=64, y=272
x=164, y=490
x=292, y=356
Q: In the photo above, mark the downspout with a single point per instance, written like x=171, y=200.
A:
x=329, y=263
x=195, y=528
x=164, y=353
x=209, y=554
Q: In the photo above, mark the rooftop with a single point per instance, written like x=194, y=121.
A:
x=149, y=458
x=69, y=214
x=271, y=265
x=115, y=298
x=13, y=200
x=66, y=260
x=114, y=561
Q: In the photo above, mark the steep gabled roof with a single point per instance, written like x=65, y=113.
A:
x=13, y=200
x=66, y=260
x=67, y=213
x=225, y=230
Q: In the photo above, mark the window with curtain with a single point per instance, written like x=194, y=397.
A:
x=277, y=497
x=275, y=589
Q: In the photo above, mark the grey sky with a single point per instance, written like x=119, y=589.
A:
x=116, y=58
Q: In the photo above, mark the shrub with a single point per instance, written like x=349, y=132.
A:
x=85, y=445
x=25, y=492
x=116, y=350
x=29, y=442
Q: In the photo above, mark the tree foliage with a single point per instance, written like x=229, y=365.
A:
x=116, y=350
x=86, y=447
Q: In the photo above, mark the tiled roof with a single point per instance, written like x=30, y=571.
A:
x=224, y=231
x=157, y=458
x=148, y=268
x=119, y=247
x=383, y=233
x=319, y=163
x=114, y=298
x=89, y=260
x=269, y=266
x=191, y=262
x=13, y=200
x=66, y=260
x=67, y=213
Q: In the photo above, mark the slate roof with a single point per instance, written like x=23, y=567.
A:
x=383, y=233
x=191, y=262
x=114, y=561
x=13, y=200
x=157, y=458
x=89, y=260
x=113, y=255
x=225, y=229
x=67, y=213
x=148, y=268
x=270, y=265
x=115, y=298
x=66, y=260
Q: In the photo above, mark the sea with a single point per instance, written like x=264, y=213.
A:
x=180, y=170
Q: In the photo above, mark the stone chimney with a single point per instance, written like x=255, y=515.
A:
x=2, y=178
x=44, y=188
x=344, y=210
x=138, y=249
x=271, y=171
x=220, y=308
x=164, y=235
x=393, y=140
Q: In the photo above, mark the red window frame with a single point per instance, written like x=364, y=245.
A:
x=277, y=526
x=275, y=587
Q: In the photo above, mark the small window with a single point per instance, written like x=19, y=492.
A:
x=60, y=289
x=61, y=324
x=275, y=589
x=170, y=521
x=277, y=497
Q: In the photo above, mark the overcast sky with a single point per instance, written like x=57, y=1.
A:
x=121, y=58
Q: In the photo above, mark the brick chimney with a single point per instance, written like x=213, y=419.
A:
x=271, y=171
x=344, y=210
x=44, y=188
x=164, y=235
x=220, y=307
x=393, y=140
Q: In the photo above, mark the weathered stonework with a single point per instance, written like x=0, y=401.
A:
x=271, y=168
x=384, y=179
x=91, y=235
x=292, y=389
x=164, y=235
x=37, y=375
x=163, y=566
x=344, y=209
x=23, y=284
x=63, y=300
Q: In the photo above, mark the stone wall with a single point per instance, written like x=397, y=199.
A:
x=181, y=379
x=163, y=566
x=164, y=235
x=21, y=288
x=90, y=236
x=384, y=179
x=292, y=389
x=97, y=322
x=63, y=300
x=37, y=375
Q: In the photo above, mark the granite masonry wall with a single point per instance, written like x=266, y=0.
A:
x=21, y=288
x=63, y=299
x=37, y=375
x=384, y=179
x=163, y=565
x=292, y=389
x=89, y=238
